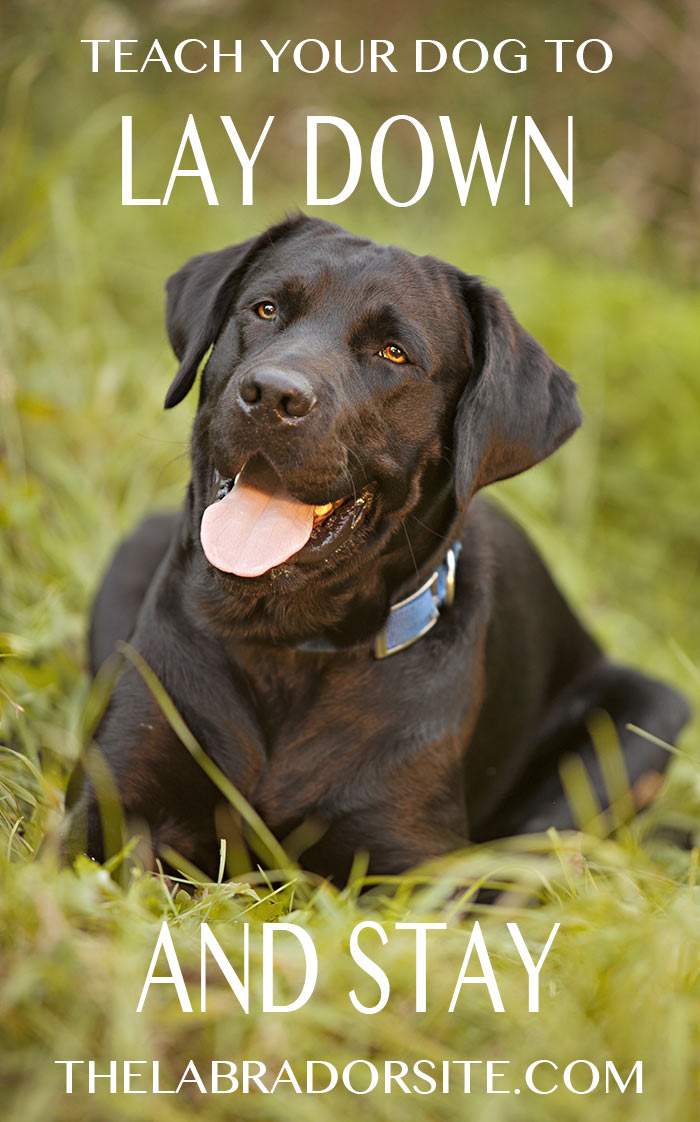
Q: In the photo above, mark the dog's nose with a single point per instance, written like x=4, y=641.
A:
x=287, y=394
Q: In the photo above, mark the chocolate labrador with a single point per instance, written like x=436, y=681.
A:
x=353, y=638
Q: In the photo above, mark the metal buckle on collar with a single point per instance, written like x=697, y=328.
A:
x=451, y=570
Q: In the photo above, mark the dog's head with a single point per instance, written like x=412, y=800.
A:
x=350, y=388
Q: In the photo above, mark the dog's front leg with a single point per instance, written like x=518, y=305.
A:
x=142, y=780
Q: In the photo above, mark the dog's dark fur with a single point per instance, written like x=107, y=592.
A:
x=459, y=736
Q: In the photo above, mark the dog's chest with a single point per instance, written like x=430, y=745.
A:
x=333, y=728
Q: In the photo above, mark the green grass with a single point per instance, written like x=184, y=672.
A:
x=84, y=366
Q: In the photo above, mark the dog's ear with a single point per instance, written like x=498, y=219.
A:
x=518, y=406
x=199, y=296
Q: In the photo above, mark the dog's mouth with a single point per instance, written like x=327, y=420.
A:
x=254, y=523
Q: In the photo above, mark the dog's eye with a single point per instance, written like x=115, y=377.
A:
x=266, y=309
x=394, y=353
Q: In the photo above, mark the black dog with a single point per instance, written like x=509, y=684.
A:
x=351, y=637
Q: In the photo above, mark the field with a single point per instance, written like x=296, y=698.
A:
x=85, y=449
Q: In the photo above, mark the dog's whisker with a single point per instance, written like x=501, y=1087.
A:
x=435, y=533
x=169, y=463
x=184, y=444
x=410, y=547
x=347, y=473
x=448, y=460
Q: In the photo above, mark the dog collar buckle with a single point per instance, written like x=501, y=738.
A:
x=413, y=617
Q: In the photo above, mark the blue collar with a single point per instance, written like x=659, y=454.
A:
x=413, y=616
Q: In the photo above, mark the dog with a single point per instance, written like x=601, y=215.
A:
x=354, y=638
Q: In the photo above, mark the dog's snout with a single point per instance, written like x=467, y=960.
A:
x=285, y=394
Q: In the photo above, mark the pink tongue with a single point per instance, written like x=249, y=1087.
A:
x=256, y=526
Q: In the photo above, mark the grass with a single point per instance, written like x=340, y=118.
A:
x=83, y=370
